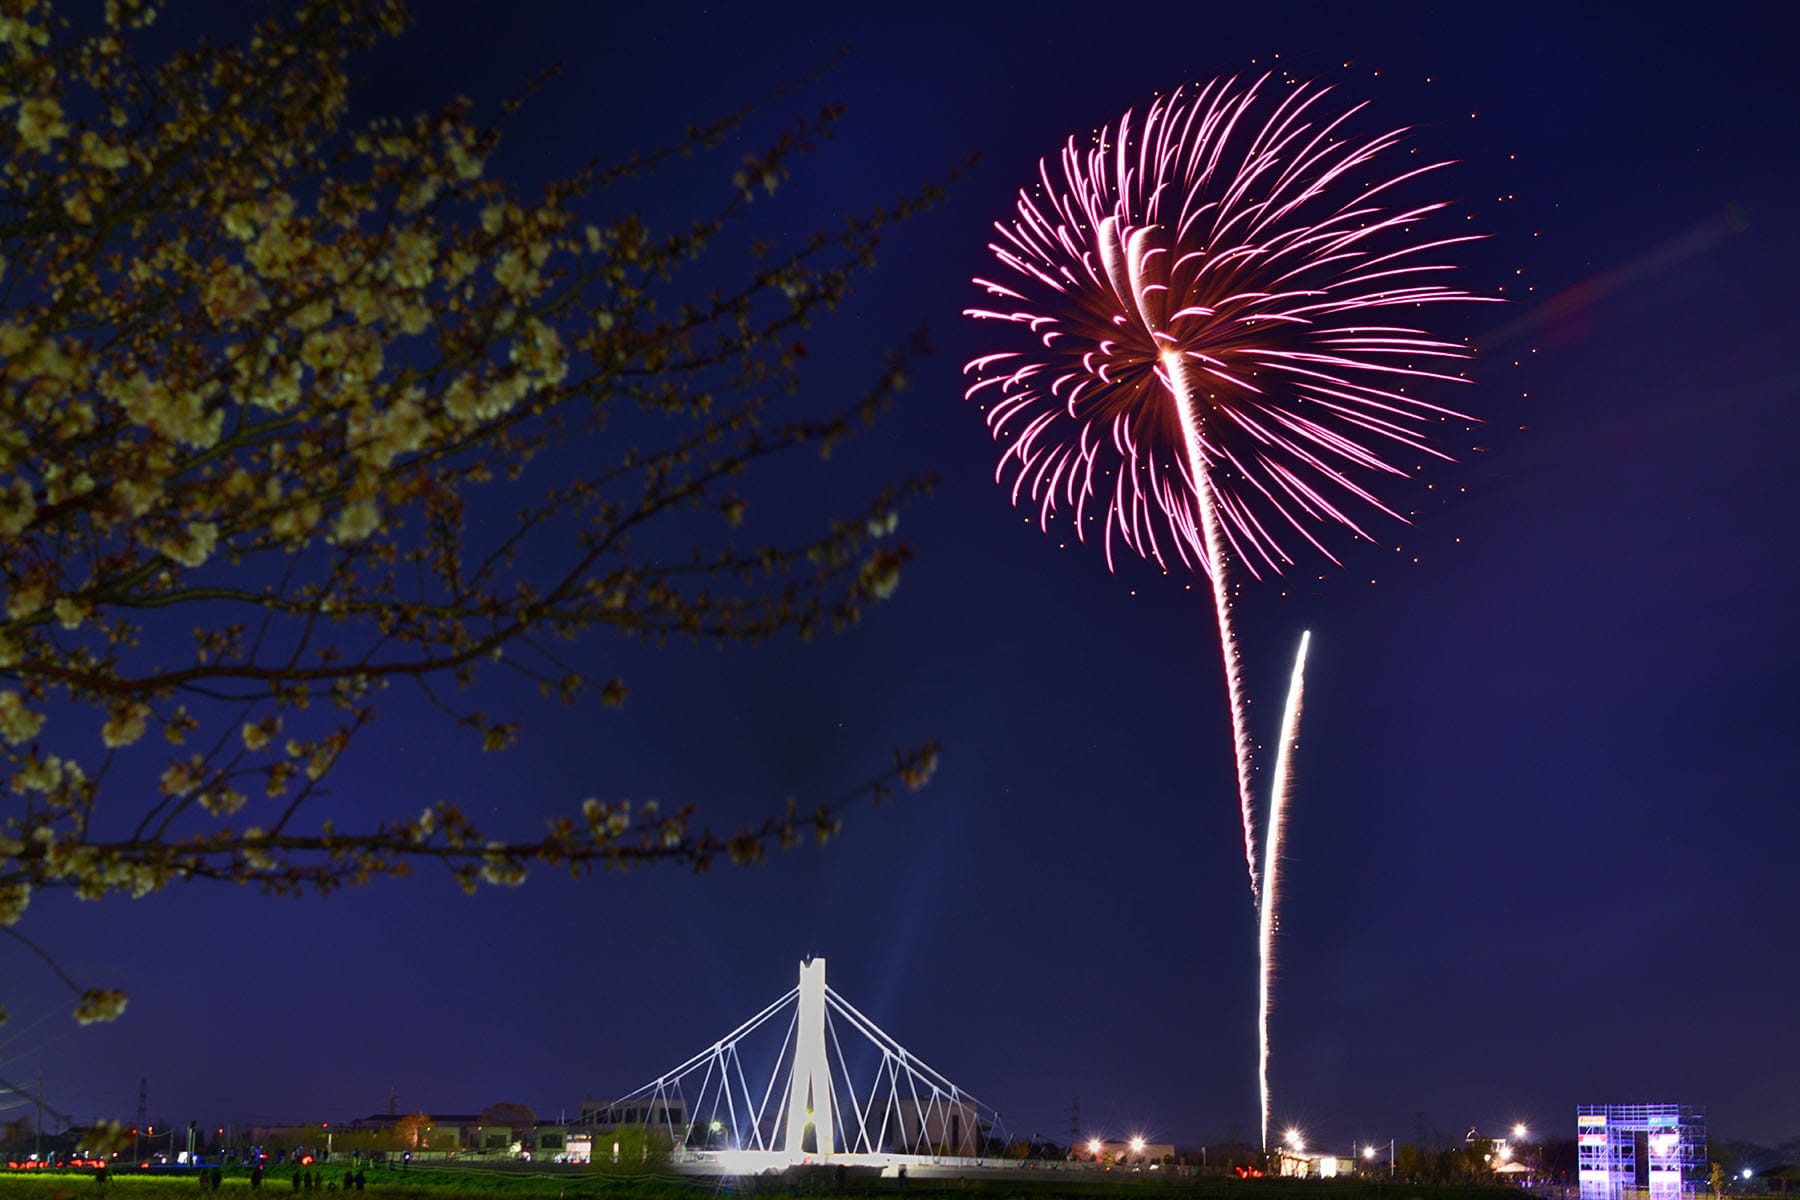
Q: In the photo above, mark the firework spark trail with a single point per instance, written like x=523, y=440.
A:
x=1266, y=916
x=1221, y=310
x=1176, y=369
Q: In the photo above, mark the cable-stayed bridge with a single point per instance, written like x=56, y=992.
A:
x=838, y=1089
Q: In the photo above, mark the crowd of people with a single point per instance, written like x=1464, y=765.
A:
x=301, y=1179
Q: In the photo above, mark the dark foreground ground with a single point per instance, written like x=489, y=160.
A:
x=478, y=1184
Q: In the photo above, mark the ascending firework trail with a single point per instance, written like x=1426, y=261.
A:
x=1221, y=309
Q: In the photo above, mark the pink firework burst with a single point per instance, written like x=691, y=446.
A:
x=1229, y=271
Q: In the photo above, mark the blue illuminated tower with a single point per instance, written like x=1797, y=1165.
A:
x=1623, y=1149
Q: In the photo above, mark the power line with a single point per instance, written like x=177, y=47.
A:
x=7, y=1085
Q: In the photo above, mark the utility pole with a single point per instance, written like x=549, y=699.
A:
x=137, y=1148
x=39, y=1147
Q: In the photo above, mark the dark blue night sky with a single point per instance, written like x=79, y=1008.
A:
x=1541, y=847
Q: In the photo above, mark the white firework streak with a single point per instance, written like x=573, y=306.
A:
x=1278, y=794
x=1175, y=368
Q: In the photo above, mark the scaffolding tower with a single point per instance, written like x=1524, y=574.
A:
x=1654, y=1150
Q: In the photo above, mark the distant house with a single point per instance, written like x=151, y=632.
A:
x=1131, y=1152
x=1310, y=1164
x=440, y=1134
x=283, y=1140
x=1778, y=1179
x=551, y=1141
x=667, y=1113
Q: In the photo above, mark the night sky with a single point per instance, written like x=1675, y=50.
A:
x=1541, y=846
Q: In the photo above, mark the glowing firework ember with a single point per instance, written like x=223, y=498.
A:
x=1222, y=303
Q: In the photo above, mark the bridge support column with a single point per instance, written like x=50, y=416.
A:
x=809, y=1093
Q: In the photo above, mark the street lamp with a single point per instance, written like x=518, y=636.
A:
x=1294, y=1140
x=1519, y=1132
x=1369, y=1154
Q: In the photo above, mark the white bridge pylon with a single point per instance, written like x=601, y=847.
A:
x=878, y=1105
x=809, y=1089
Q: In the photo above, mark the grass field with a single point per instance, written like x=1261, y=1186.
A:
x=476, y=1183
